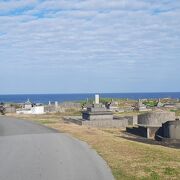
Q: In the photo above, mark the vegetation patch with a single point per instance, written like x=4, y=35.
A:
x=170, y=171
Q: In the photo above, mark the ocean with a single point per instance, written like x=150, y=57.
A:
x=45, y=98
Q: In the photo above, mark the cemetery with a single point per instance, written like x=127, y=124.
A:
x=97, y=115
x=159, y=125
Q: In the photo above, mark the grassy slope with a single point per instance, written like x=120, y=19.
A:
x=127, y=159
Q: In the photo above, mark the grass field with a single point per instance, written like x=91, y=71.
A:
x=127, y=159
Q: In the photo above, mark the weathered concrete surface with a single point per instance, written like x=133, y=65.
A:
x=32, y=152
x=156, y=118
x=116, y=123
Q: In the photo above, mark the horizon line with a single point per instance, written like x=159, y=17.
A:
x=9, y=94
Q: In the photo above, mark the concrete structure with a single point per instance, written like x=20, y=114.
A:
x=144, y=131
x=33, y=110
x=97, y=112
x=132, y=120
x=97, y=115
x=115, y=123
x=171, y=129
x=155, y=118
x=30, y=108
x=149, y=124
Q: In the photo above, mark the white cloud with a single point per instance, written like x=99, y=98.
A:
x=99, y=36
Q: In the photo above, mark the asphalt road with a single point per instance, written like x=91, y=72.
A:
x=29, y=151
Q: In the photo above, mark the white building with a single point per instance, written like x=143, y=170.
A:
x=30, y=108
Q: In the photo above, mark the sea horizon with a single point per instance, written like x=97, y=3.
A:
x=63, y=97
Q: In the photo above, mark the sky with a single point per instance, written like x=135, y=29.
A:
x=81, y=46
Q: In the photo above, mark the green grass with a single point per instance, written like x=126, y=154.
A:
x=170, y=171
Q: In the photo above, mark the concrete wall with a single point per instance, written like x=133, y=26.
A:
x=101, y=117
x=98, y=123
x=95, y=117
x=155, y=118
x=107, y=123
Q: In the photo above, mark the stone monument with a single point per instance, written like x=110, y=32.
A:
x=97, y=111
x=141, y=106
x=97, y=99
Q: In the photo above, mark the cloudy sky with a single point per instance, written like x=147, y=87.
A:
x=73, y=46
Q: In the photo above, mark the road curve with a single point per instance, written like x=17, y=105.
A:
x=29, y=151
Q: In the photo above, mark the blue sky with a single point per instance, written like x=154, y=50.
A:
x=73, y=46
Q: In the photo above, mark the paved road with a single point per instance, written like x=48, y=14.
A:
x=29, y=151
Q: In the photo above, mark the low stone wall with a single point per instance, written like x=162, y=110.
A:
x=97, y=117
x=73, y=119
x=98, y=123
x=107, y=123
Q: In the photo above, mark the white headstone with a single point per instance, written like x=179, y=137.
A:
x=56, y=104
x=97, y=99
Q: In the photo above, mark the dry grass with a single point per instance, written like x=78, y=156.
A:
x=127, y=159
